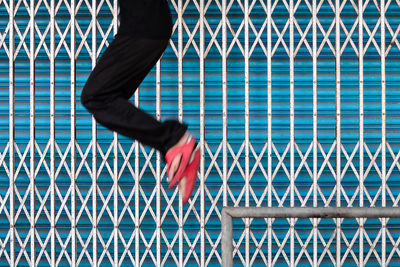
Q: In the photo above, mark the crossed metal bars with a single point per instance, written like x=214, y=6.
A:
x=227, y=213
x=336, y=34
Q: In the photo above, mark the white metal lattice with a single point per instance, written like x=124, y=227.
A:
x=286, y=31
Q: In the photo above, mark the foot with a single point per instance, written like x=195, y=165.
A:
x=189, y=185
x=176, y=161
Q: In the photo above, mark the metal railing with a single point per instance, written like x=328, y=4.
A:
x=227, y=213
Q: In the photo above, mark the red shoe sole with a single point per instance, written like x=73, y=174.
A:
x=185, y=150
x=191, y=176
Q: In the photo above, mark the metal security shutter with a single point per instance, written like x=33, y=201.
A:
x=277, y=108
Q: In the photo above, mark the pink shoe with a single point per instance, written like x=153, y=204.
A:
x=190, y=173
x=185, y=150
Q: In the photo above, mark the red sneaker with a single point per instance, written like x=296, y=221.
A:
x=190, y=173
x=185, y=150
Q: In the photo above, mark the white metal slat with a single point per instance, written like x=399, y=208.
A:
x=361, y=123
x=315, y=131
x=95, y=231
x=52, y=135
x=338, y=128
x=383, y=119
x=32, y=134
x=73, y=186
x=11, y=106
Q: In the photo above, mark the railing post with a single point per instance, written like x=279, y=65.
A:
x=227, y=238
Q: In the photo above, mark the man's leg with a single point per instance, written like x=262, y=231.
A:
x=115, y=78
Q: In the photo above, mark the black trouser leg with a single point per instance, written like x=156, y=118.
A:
x=120, y=70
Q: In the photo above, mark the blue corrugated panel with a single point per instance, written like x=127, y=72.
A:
x=213, y=124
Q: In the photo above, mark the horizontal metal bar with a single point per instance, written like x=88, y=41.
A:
x=313, y=212
x=227, y=213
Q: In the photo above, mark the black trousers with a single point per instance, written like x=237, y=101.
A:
x=116, y=76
